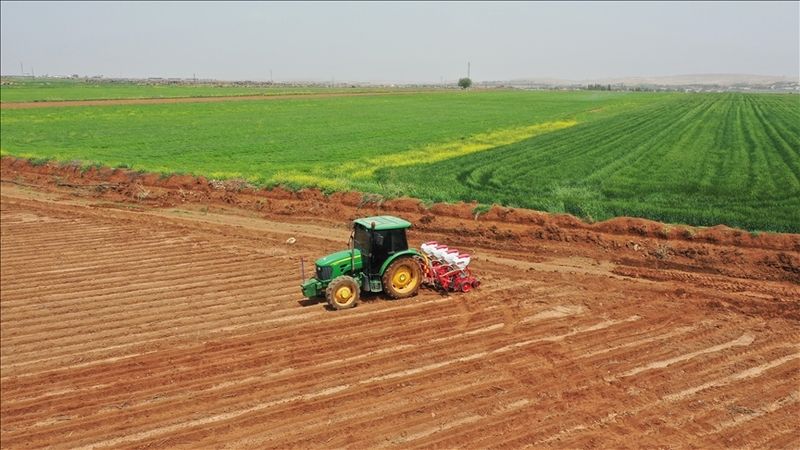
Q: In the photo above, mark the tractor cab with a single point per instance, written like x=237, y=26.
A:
x=378, y=260
x=377, y=239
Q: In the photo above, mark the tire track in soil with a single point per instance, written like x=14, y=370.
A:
x=576, y=420
x=438, y=331
x=518, y=420
x=366, y=380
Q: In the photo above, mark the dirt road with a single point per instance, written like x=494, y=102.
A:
x=212, y=99
x=174, y=319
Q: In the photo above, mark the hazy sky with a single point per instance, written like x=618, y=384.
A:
x=401, y=42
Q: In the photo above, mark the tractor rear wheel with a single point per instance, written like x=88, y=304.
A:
x=342, y=292
x=402, y=278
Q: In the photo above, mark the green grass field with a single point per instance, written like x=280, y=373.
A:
x=701, y=159
x=39, y=90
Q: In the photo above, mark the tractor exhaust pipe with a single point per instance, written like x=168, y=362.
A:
x=353, y=252
x=302, y=270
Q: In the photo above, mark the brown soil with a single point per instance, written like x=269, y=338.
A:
x=141, y=312
x=150, y=101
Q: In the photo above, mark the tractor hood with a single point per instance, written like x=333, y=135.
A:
x=340, y=258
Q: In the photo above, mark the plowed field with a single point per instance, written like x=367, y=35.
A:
x=174, y=319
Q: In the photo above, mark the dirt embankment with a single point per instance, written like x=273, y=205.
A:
x=660, y=246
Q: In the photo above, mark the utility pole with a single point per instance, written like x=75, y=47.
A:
x=270, y=76
x=21, y=69
x=467, y=69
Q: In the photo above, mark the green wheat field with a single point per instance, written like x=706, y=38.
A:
x=698, y=159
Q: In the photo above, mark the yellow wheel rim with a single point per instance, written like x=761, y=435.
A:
x=343, y=295
x=404, y=280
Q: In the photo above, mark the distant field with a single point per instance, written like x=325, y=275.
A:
x=682, y=158
x=62, y=90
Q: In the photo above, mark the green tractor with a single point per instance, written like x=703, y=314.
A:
x=378, y=260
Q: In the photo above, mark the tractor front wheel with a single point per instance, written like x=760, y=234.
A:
x=342, y=292
x=402, y=278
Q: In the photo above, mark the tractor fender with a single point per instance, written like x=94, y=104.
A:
x=391, y=259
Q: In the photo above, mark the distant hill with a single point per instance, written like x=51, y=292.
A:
x=715, y=79
x=723, y=79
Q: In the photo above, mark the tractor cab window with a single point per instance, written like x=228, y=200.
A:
x=393, y=241
x=361, y=240
x=385, y=244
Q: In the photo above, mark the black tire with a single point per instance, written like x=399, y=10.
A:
x=402, y=278
x=342, y=293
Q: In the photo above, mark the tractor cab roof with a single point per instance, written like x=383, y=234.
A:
x=383, y=222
